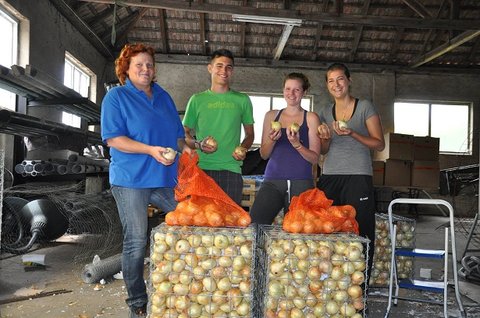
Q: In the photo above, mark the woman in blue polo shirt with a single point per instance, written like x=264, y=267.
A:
x=139, y=120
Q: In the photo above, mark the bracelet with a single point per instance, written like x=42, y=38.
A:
x=298, y=147
x=195, y=143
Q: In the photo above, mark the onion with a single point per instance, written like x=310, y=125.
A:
x=195, y=310
x=225, y=261
x=347, y=310
x=294, y=127
x=276, y=253
x=219, y=297
x=196, y=287
x=355, y=291
x=337, y=273
x=224, y=284
x=324, y=252
x=344, y=282
x=340, y=296
x=182, y=303
x=194, y=240
x=246, y=251
x=296, y=313
x=331, y=307
x=238, y=263
x=353, y=253
x=337, y=260
x=301, y=251
x=244, y=287
x=348, y=268
x=210, y=141
x=157, y=277
x=319, y=310
x=314, y=273
x=358, y=278
x=165, y=288
x=243, y=309
x=179, y=265
x=169, y=153
x=276, y=125
x=241, y=151
x=342, y=124
x=209, y=284
x=191, y=260
x=204, y=298
x=299, y=276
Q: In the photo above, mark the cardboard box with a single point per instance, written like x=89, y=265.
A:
x=397, y=172
x=378, y=168
x=425, y=174
x=397, y=146
x=426, y=148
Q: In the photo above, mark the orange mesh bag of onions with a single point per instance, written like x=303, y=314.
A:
x=201, y=200
x=312, y=212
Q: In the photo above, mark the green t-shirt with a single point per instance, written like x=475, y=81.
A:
x=220, y=116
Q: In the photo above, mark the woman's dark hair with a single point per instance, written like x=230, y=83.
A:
x=300, y=77
x=122, y=63
x=220, y=53
x=337, y=66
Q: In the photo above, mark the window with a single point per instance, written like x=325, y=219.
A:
x=78, y=77
x=8, y=53
x=448, y=121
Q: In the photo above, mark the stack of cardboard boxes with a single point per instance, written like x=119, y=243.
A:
x=407, y=161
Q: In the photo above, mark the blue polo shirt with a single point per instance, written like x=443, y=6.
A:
x=127, y=111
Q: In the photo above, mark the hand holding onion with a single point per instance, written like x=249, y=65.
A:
x=341, y=127
x=208, y=144
x=240, y=153
x=324, y=131
x=169, y=154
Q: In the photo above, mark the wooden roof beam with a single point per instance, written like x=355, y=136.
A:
x=82, y=27
x=163, y=30
x=447, y=47
x=287, y=30
x=359, y=31
x=124, y=26
x=318, y=34
x=443, y=24
x=202, y=31
x=418, y=8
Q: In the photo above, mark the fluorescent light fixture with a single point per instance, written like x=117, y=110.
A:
x=265, y=19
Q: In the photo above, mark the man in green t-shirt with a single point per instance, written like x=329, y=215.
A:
x=220, y=112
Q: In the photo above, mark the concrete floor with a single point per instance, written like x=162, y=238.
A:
x=72, y=297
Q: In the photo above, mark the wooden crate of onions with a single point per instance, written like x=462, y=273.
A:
x=201, y=272
x=310, y=275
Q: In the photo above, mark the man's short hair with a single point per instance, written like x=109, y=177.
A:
x=222, y=52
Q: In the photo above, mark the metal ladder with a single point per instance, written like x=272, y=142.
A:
x=440, y=286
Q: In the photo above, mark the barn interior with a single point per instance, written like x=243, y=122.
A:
x=59, y=64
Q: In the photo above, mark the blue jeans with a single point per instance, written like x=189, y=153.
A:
x=132, y=206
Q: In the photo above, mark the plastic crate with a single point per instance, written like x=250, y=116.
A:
x=299, y=274
x=405, y=237
x=201, y=271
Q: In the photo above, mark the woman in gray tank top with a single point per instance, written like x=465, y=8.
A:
x=350, y=130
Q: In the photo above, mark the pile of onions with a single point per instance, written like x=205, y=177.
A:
x=201, y=272
x=279, y=218
x=312, y=275
x=405, y=238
